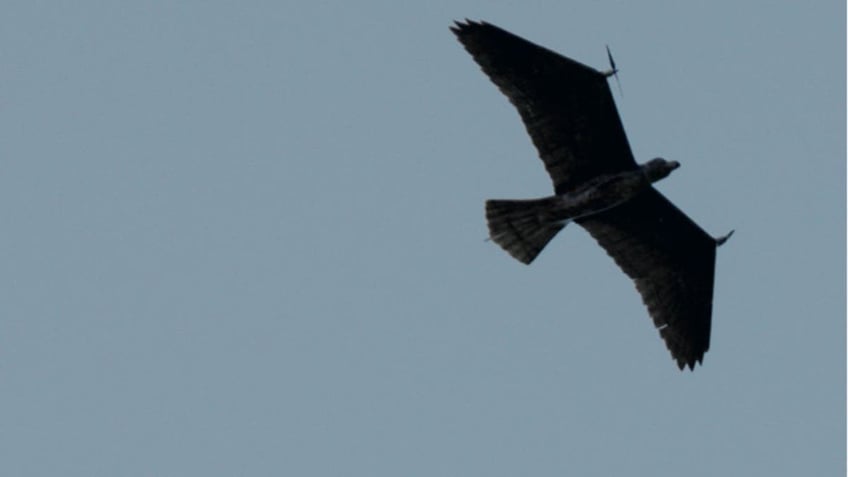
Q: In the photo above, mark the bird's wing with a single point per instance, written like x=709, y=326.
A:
x=566, y=106
x=672, y=261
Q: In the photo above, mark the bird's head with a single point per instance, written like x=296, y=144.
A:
x=658, y=168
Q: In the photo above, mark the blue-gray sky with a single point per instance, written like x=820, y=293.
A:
x=246, y=238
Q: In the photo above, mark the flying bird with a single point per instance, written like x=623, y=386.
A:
x=569, y=112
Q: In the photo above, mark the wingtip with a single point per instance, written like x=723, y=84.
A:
x=683, y=364
x=456, y=27
x=694, y=362
x=464, y=23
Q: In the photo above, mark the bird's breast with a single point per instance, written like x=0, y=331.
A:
x=602, y=193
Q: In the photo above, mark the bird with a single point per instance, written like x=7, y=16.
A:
x=569, y=112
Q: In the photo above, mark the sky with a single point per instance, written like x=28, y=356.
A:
x=247, y=238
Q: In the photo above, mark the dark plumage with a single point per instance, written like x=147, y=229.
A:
x=570, y=114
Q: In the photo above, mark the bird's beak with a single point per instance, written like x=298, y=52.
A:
x=674, y=165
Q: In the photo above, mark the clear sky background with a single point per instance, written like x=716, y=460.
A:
x=247, y=238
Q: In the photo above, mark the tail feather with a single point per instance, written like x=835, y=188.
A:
x=522, y=227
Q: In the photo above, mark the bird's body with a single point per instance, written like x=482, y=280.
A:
x=569, y=112
x=516, y=225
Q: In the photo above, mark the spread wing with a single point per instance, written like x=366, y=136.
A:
x=672, y=261
x=566, y=106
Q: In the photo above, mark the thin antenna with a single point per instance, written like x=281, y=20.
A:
x=720, y=241
x=613, y=71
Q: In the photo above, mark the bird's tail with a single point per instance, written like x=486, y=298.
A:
x=522, y=227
